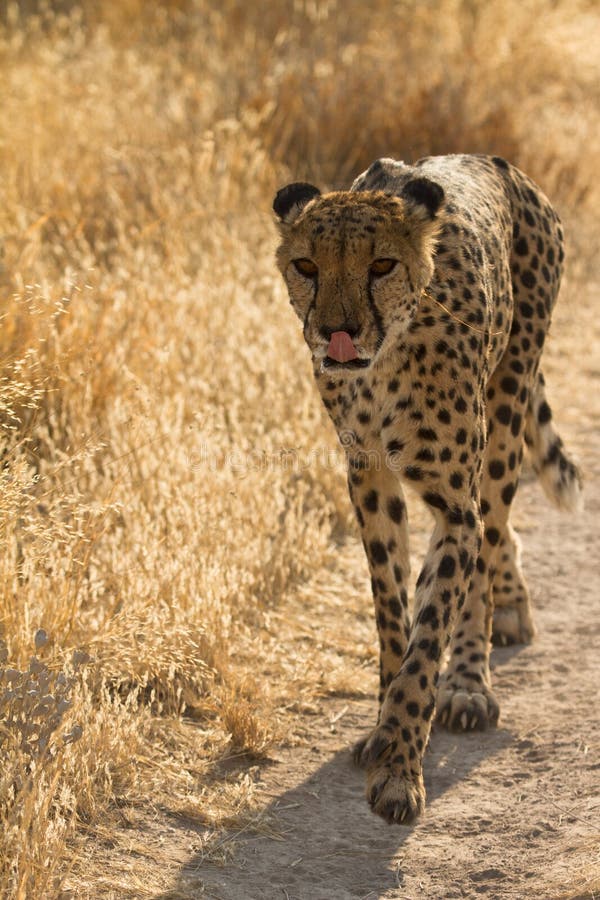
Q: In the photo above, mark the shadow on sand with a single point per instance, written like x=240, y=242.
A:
x=329, y=845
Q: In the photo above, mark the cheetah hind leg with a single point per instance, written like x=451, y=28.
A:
x=512, y=621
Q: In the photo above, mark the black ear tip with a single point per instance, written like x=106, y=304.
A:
x=428, y=193
x=297, y=194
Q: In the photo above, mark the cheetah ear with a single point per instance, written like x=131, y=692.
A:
x=291, y=200
x=423, y=195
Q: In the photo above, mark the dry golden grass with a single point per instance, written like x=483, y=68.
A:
x=168, y=481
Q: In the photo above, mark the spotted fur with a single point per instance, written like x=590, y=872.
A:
x=445, y=393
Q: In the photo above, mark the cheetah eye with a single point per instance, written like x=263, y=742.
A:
x=306, y=267
x=382, y=266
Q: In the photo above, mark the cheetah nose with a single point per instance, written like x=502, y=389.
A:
x=341, y=348
x=349, y=327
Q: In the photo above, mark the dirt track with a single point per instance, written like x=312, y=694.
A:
x=511, y=813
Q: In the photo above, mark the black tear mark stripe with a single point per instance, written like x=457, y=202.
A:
x=376, y=314
x=310, y=309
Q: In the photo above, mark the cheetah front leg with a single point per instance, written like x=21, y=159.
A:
x=381, y=512
x=394, y=751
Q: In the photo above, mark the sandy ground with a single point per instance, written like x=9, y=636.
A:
x=511, y=813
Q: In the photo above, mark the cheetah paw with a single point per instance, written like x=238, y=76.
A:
x=512, y=625
x=399, y=799
x=459, y=709
x=392, y=792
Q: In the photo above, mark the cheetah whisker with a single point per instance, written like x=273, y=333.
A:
x=457, y=318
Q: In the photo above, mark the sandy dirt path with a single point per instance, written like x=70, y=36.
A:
x=511, y=813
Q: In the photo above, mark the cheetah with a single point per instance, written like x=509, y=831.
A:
x=425, y=293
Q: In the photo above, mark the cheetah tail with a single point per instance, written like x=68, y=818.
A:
x=559, y=475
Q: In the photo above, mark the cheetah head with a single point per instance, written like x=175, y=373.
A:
x=356, y=264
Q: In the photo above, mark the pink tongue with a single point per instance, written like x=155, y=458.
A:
x=341, y=347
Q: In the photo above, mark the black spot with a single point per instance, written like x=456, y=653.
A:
x=526, y=309
x=528, y=278
x=544, y=413
x=460, y=406
x=521, y=247
x=461, y=436
x=371, y=501
x=504, y=414
x=378, y=552
x=508, y=493
x=428, y=616
x=509, y=385
x=470, y=518
x=434, y=651
x=395, y=508
x=425, y=455
x=455, y=516
x=395, y=647
x=456, y=480
x=412, y=709
x=414, y=473
x=394, y=607
x=496, y=469
x=492, y=535
x=435, y=500
x=395, y=446
x=427, y=434
x=447, y=567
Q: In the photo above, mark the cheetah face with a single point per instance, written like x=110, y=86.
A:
x=355, y=264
